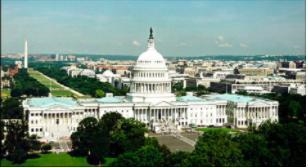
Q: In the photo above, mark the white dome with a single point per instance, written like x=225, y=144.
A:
x=151, y=58
x=151, y=55
x=108, y=73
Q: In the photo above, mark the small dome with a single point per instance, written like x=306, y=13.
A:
x=108, y=73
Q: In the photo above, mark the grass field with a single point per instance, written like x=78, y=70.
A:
x=52, y=160
x=55, y=89
x=5, y=93
x=228, y=130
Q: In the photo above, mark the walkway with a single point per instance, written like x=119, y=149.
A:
x=184, y=139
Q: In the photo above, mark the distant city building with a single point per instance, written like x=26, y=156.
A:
x=256, y=71
x=19, y=64
x=301, y=90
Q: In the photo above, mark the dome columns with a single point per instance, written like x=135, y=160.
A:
x=151, y=87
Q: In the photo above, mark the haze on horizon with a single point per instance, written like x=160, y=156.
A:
x=181, y=28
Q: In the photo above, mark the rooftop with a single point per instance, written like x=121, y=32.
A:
x=110, y=100
x=51, y=101
x=189, y=98
x=231, y=97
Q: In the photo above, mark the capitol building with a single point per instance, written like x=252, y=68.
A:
x=150, y=101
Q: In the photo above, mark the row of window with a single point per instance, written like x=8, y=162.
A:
x=201, y=114
x=36, y=129
x=147, y=62
x=242, y=122
x=34, y=121
x=106, y=111
x=36, y=114
x=206, y=108
x=91, y=110
x=220, y=120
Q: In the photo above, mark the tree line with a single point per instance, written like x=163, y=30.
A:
x=16, y=143
x=26, y=85
x=272, y=144
x=83, y=84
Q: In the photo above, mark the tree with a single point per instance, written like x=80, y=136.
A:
x=99, y=93
x=82, y=140
x=34, y=144
x=16, y=142
x=215, y=148
x=294, y=108
x=176, y=159
x=128, y=135
x=254, y=148
x=109, y=120
x=90, y=141
x=146, y=156
x=286, y=142
x=26, y=85
x=177, y=87
x=2, y=149
x=46, y=148
x=12, y=109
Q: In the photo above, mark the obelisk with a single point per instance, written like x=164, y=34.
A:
x=26, y=55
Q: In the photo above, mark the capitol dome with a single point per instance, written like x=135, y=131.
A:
x=150, y=81
x=151, y=58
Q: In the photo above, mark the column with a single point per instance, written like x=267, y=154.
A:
x=137, y=114
x=155, y=115
x=161, y=89
x=173, y=114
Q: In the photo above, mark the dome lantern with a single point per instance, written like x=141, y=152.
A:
x=151, y=39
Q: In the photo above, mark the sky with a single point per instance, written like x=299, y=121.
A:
x=181, y=28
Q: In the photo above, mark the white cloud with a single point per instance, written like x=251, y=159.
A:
x=183, y=44
x=220, y=38
x=225, y=45
x=296, y=47
x=221, y=42
x=136, y=43
x=243, y=45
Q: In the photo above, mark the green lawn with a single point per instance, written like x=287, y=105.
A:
x=108, y=161
x=56, y=89
x=220, y=129
x=56, y=160
x=5, y=93
x=51, y=159
x=59, y=93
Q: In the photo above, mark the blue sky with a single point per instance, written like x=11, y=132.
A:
x=181, y=28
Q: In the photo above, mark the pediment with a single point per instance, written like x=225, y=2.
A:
x=57, y=108
x=162, y=104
